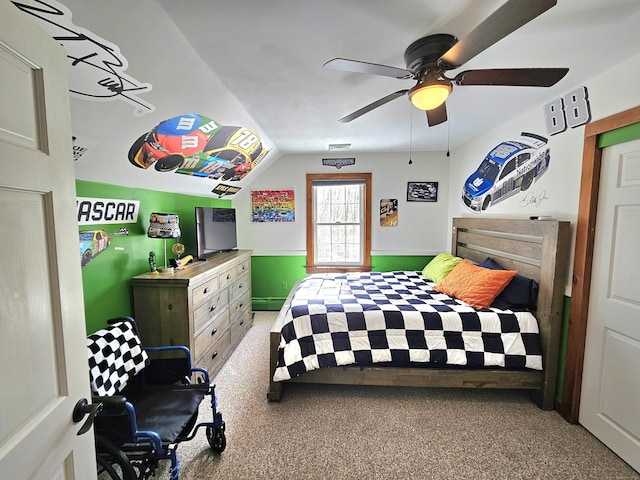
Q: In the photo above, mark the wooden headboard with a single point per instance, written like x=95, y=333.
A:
x=537, y=249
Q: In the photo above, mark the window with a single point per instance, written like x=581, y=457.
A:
x=338, y=222
x=508, y=168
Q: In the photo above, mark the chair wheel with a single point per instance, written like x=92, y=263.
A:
x=112, y=463
x=217, y=439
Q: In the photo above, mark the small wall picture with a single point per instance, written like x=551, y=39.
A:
x=389, y=212
x=422, y=191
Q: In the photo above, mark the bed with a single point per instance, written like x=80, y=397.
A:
x=536, y=249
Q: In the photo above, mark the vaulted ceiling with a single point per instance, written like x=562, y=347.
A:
x=259, y=64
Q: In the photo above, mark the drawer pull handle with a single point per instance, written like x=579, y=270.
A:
x=241, y=304
x=241, y=322
x=207, y=290
x=240, y=286
x=213, y=307
x=214, y=331
x=215, y=354
x=244, y=267
x=229, y=276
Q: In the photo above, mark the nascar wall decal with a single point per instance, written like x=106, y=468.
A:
x=98, y=211
x=192, y=144
x=572, y=109
x=509, y=168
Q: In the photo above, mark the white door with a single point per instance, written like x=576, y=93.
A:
x=43, y=364
x=610, y=401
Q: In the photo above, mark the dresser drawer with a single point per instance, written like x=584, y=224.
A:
x=205, y=290
x=240, y=325
x=211, y=333
x=240, y=287
x=227, y=277
x=239, y=304
x=214, y=357
x=209, y=309
x=243, y=267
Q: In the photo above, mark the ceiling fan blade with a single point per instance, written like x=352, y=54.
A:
x=373, y=105
x=437, y=116
x=506, y=19
x=519, y=77
x=366, y=67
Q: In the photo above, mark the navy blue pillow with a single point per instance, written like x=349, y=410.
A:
x=520, y=292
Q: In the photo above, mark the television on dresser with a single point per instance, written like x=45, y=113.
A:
x=215, y=230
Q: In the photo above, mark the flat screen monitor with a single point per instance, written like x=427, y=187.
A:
x=215, y=230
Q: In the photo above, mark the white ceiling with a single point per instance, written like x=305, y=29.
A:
x=269, y=54
x=259, y=64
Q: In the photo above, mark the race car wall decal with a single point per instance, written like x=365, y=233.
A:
x=92, y=242
x=196, y=145
x=509, y=168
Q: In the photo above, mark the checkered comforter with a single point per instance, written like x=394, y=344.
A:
x=396, y=318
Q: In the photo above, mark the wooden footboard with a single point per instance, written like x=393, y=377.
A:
x=538, y=250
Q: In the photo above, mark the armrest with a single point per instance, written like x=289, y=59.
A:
x=114, y=402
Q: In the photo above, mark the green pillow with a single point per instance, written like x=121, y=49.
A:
x=440, y=266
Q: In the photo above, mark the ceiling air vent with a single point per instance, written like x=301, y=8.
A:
x=339, y=147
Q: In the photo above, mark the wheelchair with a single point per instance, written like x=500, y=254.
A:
x=149, y=400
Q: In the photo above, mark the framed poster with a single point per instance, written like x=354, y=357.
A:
x=272, y=206
x=389, y=212
x=422, y=191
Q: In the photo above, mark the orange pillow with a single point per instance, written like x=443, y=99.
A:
x=475, y=285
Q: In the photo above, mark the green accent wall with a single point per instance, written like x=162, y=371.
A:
x=106, y=278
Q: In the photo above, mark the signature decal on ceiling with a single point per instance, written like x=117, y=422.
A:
x=96, y=66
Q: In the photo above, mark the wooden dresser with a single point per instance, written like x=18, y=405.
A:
x=206, y=306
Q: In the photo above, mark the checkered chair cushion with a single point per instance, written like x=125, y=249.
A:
x=115, y=355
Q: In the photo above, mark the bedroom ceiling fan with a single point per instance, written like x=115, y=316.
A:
x=428, y=58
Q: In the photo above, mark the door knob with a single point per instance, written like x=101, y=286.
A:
x=82, y=408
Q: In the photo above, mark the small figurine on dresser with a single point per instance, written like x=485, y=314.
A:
x=153, y=268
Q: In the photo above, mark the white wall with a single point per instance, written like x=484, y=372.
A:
x=422, y=226
x=611, y=92
x=558, y=189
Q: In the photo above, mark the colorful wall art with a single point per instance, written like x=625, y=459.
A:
x=510, y=168
x=192, y=144
x=389, y=212
x=272, y=206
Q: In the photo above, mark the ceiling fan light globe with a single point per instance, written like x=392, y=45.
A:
x=428, y=97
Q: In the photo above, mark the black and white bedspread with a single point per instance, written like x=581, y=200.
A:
x=396, y=318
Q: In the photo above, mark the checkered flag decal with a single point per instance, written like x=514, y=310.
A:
x=115, y=355
x=397, y=318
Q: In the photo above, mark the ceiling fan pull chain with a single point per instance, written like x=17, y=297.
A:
x=410, y=132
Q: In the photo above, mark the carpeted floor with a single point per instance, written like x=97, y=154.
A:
x=344, y=432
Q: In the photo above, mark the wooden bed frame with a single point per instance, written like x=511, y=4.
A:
x=537, y=249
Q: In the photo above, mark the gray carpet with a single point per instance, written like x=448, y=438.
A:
x=343, y=432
